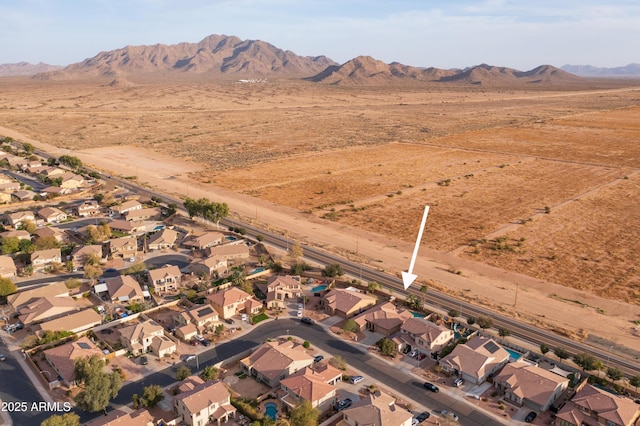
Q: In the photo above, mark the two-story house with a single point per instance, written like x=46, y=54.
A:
x=475, y=360
x=314, y=384
x=233, y=301
x=139, y=338
x=200, y=403
x=592, y=406
x=124, y=289
x=41, y=259
x=124, y=247
x=378, y=409
x=165, y=279
x=82, y=254
x=127, y=206
x=281, y=288
x=209, y=266
x=86, y=208
x=16, y=219
x=203, y=317
x=424, y=336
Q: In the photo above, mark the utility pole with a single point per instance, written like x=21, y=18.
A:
x=515, y=302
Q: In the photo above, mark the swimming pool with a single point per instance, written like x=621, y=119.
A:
x=319, y=288
x=513, y=354
x=255, y=271
x=271, y=410
x=230, y=238
x=417, y=314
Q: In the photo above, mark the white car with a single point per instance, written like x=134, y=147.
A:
x=299, y=314
x=199, y=337
x=413, y=353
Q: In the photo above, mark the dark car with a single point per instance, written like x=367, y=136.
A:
x=307, y=320
x=2, y=357
x=532, y=415
x=431, y=387
x=229, y=321
x=344, y=404
x=422, y=417
x=205, y=342
x=144, y=360
x=318, y=358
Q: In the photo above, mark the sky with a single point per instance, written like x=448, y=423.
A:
x=423, y=33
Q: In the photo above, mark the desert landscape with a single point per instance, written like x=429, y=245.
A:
x=534, y=184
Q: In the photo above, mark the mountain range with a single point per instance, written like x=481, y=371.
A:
x=631, y=70
x=229, y=57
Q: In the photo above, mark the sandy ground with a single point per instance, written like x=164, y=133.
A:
x=478, y=282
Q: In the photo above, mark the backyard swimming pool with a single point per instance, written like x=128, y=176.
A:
x=513, y=354
x=271, y=410
x=319, y=288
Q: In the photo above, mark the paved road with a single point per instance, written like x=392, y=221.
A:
x=371, y=367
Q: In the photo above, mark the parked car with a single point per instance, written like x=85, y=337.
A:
x=318, y=358
x=458, y=382
x=299, y=314
x=344, y=404
x=144, y=360
x=431, y=387
x=194, y=342
x=449, y=414
x=2, y=357
x=188, y=358
x=422, y=417
x=529, y=418
x=307, y=320
x=229, y=321
x=413, y=353
x=355, y=379
x=205, y=342
x=199, y=337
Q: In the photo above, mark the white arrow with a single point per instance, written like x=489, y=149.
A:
x=408, y=277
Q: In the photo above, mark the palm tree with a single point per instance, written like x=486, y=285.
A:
x=424, y=290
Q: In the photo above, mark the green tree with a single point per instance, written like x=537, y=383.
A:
x=209, y=373
x=28, y=148
x=183, y=372
x=29, y=226
x=46, y=243
x=586, y=361
x=471, y=320
x=92, y=272
x=387, y=347
x=614, y=374
x=10, y=245
x=306, y=344
x=304, y=415
x=73, y=162
x=544, y=348
x=66, y=419
x=151, y=396
x=7, y=287
x=333, y=270
x=72, y=283
x=504, y=332
x=635, y=382
x=485, y=322
x=351, y=326
x=414, y=302
x=26, y=246
x=424, y=290
x=99, y=387
x=219, y=329
x=338, y=362
x=453, y=313
x=561, y=353
x=296, y=251
x=372, y=286
x=206, y=209
x=299, y=268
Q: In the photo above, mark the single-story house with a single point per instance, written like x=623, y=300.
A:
x=62, y=357
x=273, y=361
x=346, y=303
x=475, y=360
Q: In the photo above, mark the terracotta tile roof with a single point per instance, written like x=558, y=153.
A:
x=272, y=358
x=228, y=297
x=307, y=385
x=475, y=358
x=47, y=307
x=204, y=395
x=346, y=300
x=76, y=321
x=615, y=408
x=63, y=356
x=530, y=382
x=377, y=409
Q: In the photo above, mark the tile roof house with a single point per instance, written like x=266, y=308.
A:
x=81, y=254
x=475, y=360
x=124, y=289
x=16, y=219
x=346, y=303
x=163, y=239
x=20, y=234
x=163, y=346
x=165, y=279
x=528, y=385
x=24, y=297
x=591, y=406
x=75, y=322
x=202, y=241
x=204, y=403
x=384, y=318
x=62, y=357
x=152, y=213
x=7, y=267
x=209, y=266
x=229, y=251
x=203, y=317
x=52, y=215
x=377, y=409
x=233, y=301
x=71, y=180
x=124, y=247
x=10, y=186
x=281, y=288
x=46, y=308
x=273, y=361
x=50, y=231
x=40, y=259
x=186, y=332
x=425, y=336
x=86, y=208
x=313, y=386
x=125, y=207
x=139, y=338
x=139, y=417
x=23, y=195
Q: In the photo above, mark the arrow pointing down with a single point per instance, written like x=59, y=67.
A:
x=409, y=277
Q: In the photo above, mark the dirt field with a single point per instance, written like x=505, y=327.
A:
x=353, y=168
